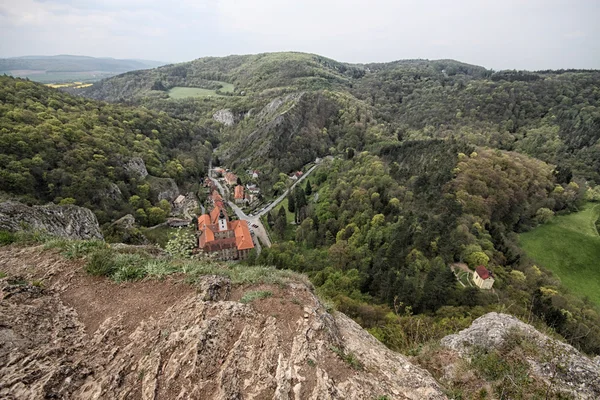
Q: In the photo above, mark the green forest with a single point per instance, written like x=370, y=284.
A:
x=435, y=163
x=70, y=150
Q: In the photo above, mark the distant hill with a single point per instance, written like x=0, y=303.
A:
x=65, y=68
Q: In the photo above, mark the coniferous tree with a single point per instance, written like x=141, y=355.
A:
x=270, y=219
x=280, y=222
x=291, y=203
x=300, y=198
x=308, y=189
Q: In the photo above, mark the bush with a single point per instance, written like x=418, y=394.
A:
x=129, y=273
x=80, y=248
x=101, y=263
x=7, y=238
x=159, y=268
x=119, y=267
x=181, y=243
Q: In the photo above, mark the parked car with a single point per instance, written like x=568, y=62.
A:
x=254, y=226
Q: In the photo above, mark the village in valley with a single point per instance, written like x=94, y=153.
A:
x=230, y=226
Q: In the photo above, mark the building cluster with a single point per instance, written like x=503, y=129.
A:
x=242, y=195
x=223, y=239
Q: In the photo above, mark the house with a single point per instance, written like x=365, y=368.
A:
x=217, y=200
x=252, y=188
x=217, y=172
x=296, y=175
x=255, y=174
x=224, y=239
x=231, y=178
x=179, y=200
x=239, y=194
x=483, y=277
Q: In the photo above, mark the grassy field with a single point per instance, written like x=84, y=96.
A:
x=569, y=246
x=180, y=92
x=288, y=215
x=76, y=85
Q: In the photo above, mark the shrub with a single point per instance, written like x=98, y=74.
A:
x=129, y=267
x=544, y=215
x=181, y=243
x=31, y=237
x=159, y=268
x=7, y=238
x=129, y=273
x=101, y=263
x=80, y=248
x=349, y=358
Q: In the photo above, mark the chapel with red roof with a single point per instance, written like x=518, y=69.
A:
x=483, y=277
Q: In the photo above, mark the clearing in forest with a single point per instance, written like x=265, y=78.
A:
x=180, y=92
x=569, y=246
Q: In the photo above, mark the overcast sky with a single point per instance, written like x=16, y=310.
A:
x=521, y=34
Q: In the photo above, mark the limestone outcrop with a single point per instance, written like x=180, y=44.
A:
x=224, y=116
x=66, y=221
x=569, y=370
x=136, y=167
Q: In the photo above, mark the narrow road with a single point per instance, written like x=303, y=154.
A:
x=284, y=195
x=260, y=232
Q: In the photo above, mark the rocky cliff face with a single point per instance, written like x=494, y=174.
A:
x=289, y=131
x=557, y=363
x=163, y=188
x=65, y=221
x=80, y=337
x=136, y=167
x=224, y=116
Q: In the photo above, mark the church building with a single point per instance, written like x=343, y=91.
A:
x=224, y=239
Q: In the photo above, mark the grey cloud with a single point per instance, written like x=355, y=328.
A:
x=532, y=34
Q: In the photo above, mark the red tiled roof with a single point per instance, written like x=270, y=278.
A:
x=203, y=220
x=483, y=272
x=231, y=178
x=216, y=196
x=214, y=214
x=207, y=223
x=243, y=239
x=239, y=192
x=207, y=235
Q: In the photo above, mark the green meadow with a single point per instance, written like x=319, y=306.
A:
x=569, y=246
x=180, y=92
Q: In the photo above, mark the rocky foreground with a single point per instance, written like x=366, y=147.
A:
x=64, y=334
x=560, y=366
